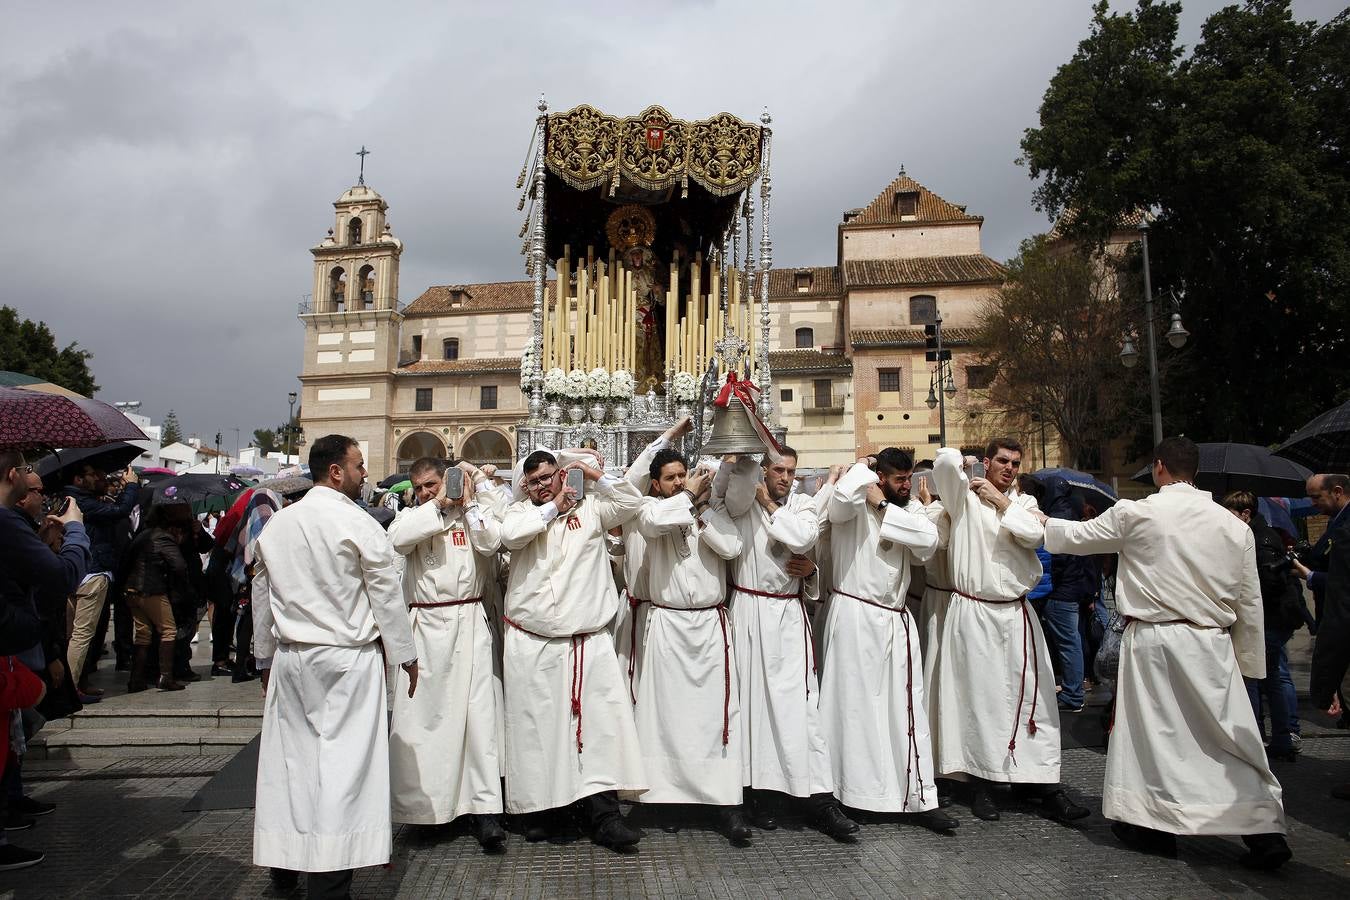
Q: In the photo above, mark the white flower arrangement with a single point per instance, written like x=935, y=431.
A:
x=621, y=385
x=597, y=383
x=526, y=369
x=684, y=387
x=576, y=385
x=555, y=382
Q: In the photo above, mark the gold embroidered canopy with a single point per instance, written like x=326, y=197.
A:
x=653, y=151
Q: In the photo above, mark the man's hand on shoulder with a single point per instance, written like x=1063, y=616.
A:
x=987, y=493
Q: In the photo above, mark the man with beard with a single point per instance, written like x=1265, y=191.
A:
x=996, y=686
x=569, y=720
x=444, y=743
x=872, y=702
x=328, y=612
x=785, y=748
x=688, y=711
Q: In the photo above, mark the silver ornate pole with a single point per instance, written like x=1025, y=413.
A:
x=540, y=273
x=765, y=263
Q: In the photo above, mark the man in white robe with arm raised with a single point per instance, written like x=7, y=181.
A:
x=444, y=743
x=1185, y=755
x=569, y=720
x=328, y=612
x=995, y=683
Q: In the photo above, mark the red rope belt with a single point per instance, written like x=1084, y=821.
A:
x=445, y=603
x=1028, y=650
x=909, y=694
x=807, y=652
x=578, y=666
x=721, y=608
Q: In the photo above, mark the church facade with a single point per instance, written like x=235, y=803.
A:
x=441, y=375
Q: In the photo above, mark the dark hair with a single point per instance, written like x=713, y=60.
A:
x=1031, y=487
x=893, y=459
x=1179, y=456
x=428, y=462
x=783, y=450
x=9, y=459
x=1237, y=501
x=1002, y=443
x=537, y=459
x=1330, y=482
x=664, y=458
x=326, y=451
x=925, y=464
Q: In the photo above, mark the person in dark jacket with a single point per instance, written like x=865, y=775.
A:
x=155, y=569
x=1330, y=572
x=1281, y=597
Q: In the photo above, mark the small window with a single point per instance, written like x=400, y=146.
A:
x=354, y=230
x=922, y=310
x=417, y=346
x=907, y=204
x=979, y=378
x=935, y=439
x=806, y=338
x=802, y=281
x=888, y=380
x=821, y=386
x=450, y=348
x=785, y=395
x=488, y=399
x=423, y=400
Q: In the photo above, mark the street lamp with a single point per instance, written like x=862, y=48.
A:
x=290, y=424
x=932, y=400
x=950, y=387
x=1176, y=336
x=1129, y=357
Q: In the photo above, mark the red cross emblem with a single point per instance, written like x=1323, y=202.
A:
x=459, y=538
x=656, y=136
x=573, y=523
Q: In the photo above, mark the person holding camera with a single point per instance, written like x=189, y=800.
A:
x=1282, y=602
x=1329, y=572
x=444, y=743
x=569, y=731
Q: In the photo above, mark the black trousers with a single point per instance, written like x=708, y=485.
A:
x=330, y=885
x=222, y=630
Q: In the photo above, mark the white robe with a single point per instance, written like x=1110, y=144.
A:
x=785, y=747
x=633, y=563
x=558, y=659
x=937, y=596
x=1185, y=754
x=993, y=671
x=688, y=703
x=871, y=686
x=325, y=587
x=444, y=742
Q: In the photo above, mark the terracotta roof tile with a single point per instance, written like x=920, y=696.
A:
x=929, y=207
x=908, y=337
x=807, y=361
x=497, y=296
x=823, y=281
x=461, y=366
x=923, y=270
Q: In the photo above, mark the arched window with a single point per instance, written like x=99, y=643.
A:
x=450, y=348
x=337, y=289
x=806, y=338
x=366, y=280
x=354, y=230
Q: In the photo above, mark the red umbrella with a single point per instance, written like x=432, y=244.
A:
x=30, y=420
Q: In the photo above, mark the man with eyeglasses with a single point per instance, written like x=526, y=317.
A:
x=569, y=720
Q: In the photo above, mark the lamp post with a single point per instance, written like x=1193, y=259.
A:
x=1176, y=336
x=290, y=425
x=940, y=390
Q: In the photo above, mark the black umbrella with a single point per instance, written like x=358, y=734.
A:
x=206, y=492
x=1323, y=444
x=391, y=480
x=1234, y=467
x=112, y=457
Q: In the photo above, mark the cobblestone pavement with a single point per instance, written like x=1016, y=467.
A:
x=120, y=831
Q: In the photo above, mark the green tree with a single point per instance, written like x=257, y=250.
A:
x=265, y=439
x=30, y=348
x=1240, y=149
x=170, y=432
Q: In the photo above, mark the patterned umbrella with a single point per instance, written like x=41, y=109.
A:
x=31, y=420
x=1228, y=467
x=291, y=484
x=205, y=492
x=1322, y=445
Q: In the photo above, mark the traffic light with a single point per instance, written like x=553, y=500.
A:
x=931, y=353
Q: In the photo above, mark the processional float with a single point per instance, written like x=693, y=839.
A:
x=653, y=312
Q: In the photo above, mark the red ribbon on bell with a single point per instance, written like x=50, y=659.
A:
x=743, y=391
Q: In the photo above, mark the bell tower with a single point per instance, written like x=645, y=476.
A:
x=356, y=266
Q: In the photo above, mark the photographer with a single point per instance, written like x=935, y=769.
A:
x=1329, y=571
x=1281, y=598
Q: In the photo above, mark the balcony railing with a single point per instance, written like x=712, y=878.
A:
x=821, y=404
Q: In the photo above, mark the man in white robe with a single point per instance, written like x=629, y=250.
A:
x=569, y=720
x=444, y=743
x=1185, y=755
x=785, y=748
x=871, y=700
x=688, y=703
x=328, y=611
x=995, y=683
x=936, y=595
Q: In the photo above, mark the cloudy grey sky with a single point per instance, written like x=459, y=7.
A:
x=167, y=166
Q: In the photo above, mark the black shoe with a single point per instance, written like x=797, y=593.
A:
x=221, y=670
x=832, y=822
x=12, y=857
x=1059, y=807
x=1290, y=755
x=982, y=804
x=762, y=816
x=30, y=807
x=240, y=677
x=17, y=821
x=1069, y=708
x=284, y=879
x=187, y=676
x=731, y=820
x=490, y=833
x=1145, y=840
x=933, y=820
x=616, y=834
x=944, y=800
x=1265, y=852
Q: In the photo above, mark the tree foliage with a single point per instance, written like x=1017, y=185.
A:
x=170, y=432
x=1239, y=149
x=29, y=348
x=265, y=439
x=1052, y=336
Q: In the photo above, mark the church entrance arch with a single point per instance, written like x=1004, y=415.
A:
x=417, y=445
x=487, y=446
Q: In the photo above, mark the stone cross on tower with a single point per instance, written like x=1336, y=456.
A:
x=363, y=153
